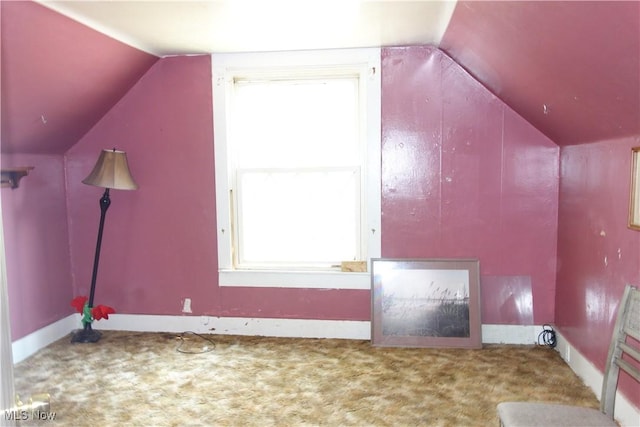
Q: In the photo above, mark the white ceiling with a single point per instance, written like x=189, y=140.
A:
x=166, y=28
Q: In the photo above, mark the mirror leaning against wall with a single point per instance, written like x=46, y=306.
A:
x=634, y=197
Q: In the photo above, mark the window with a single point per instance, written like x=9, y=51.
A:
x=297, y=152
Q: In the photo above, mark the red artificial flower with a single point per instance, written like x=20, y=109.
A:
x=78, y=303
x=101, y=312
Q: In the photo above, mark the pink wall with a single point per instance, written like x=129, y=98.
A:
x=464, y=176
x=36, y=244
x=59, y=77
x=159, y=242
x=569, y=67
x=597, y=253
x=159, y=245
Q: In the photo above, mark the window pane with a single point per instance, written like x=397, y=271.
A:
x=296, y=123
x=298, y=217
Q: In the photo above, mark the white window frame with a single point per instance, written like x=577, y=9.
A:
x=229, y=66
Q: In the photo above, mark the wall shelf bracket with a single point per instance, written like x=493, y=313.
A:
x=11, y=176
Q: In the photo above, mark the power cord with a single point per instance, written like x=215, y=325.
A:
x=547, y=336
x=205, y=349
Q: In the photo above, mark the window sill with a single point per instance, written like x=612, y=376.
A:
x=294, y=279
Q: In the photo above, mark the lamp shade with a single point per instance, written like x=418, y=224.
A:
x=111, y=171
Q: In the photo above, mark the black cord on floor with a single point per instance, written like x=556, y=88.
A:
x=547, y=336
x=205, y=349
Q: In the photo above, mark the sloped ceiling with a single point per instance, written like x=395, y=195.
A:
x=66, y=63
x=58, y=78
x=572, y=69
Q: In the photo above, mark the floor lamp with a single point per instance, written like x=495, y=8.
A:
x=111, y=171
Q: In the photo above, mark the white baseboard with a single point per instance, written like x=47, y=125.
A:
x=510, y=334
x=625, y=412
x=294, y=328
x=30, y=344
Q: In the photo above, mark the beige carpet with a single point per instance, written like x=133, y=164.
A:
x=140, y=379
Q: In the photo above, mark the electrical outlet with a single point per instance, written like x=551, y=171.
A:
x=186, y=305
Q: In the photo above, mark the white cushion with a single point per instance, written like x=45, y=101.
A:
x=522, y=414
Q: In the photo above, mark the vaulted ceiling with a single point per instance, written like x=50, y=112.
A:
x=572, y=69
x=196, y=26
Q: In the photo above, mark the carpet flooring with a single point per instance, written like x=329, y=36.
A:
x=161, y=379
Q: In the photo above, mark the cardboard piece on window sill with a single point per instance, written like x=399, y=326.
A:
x=354, y=266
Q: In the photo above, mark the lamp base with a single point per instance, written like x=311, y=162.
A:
x=86, y=335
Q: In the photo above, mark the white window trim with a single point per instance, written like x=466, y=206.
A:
x=227, y=66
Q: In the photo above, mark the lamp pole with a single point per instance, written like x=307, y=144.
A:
x=87, y=334
x=105, y=202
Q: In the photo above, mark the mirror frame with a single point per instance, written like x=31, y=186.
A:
x=634, y=196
